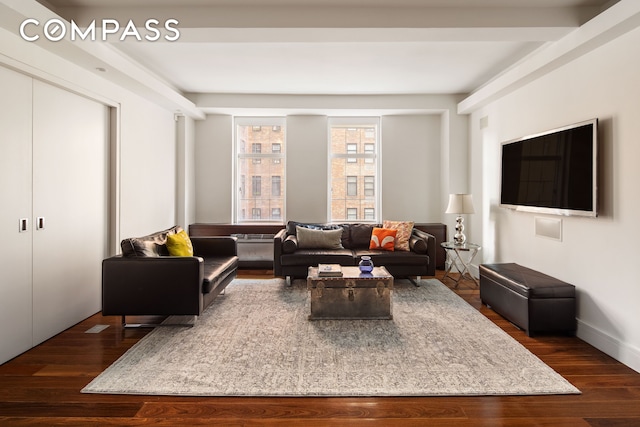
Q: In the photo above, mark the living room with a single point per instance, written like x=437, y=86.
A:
x=181, y=141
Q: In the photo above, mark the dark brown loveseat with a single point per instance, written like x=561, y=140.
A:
x=291, y=261
x=146, y=280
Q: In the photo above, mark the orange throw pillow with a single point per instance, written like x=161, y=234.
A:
x=383, y=239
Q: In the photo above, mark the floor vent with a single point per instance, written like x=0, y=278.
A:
x=96, y=329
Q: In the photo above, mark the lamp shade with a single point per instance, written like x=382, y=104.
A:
x=460, y=204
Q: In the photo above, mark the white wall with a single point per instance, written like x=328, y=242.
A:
x=411, y=170
x=307, y=168
x=214, y=169
x=411, y=173
x=186, y=171
x=148, y=168
x=597, y=255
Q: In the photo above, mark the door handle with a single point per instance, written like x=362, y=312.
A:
x=23, y=226
x=40, y=223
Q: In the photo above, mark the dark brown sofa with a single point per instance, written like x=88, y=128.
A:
x=146, y=280
x=290, y=261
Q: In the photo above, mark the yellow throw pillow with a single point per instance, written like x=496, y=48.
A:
x=179, y=244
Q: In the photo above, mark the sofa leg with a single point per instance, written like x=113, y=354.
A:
x=415, y=283
x=287, y=280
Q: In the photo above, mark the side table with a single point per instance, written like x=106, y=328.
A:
x=454, y=252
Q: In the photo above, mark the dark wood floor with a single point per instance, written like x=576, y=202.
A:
x=42, y=387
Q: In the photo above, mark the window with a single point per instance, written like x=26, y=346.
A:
x=276, y=147
x=369, y=214
x=259, y=150
x=275, y=186
x=354, y=186
x=256, y=148
x=256, y=185
x=369, y=186
x=370, y=149
x=352, y=149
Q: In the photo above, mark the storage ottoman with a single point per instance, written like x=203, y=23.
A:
x=529, y=299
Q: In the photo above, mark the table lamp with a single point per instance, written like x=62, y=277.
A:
x=460, y=204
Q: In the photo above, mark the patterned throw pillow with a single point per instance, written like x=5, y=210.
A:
x=179, y=244
x=405, y=228
x=383, y=239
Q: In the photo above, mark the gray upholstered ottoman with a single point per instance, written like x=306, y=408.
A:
x=529, y=299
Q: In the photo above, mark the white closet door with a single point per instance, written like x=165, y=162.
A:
x=70, y=158
x=15, y=194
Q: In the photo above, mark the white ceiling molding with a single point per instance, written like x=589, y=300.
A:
x=619, y=19
x=100, y=58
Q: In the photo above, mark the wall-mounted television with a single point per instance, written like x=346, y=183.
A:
x=552, y=172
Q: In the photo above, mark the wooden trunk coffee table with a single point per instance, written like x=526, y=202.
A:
x=354, y=295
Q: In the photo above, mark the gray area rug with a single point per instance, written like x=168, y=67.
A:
x=256, y=341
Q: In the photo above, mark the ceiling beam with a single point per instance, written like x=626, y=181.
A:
x=341, y=16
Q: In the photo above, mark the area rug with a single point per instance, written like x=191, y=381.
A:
x=256, y=340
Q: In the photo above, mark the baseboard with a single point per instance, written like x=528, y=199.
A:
x=615, y=348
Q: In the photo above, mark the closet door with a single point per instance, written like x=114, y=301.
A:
x=15, y=193
x=70, y=166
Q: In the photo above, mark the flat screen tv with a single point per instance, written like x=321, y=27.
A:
x=552, y=172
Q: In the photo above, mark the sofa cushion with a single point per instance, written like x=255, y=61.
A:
x=405, y=228
x=179, y=244
x=319, y=239
x=152, y=245
x=216, y=269
x=360, y=235
x=383, y=239
x=313, y=257
x=384, y=258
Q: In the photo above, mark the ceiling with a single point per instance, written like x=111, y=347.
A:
x=337, y=46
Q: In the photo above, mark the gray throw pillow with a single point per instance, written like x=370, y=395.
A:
x=319, y=239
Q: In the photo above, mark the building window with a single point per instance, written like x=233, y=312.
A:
x=369, y=214
x=352, y=149
x=370, y=149
x=369, y=186
x=275, y=186
x=354, y=187
x=259, y=151
x=276, y=148
x=256, y=148
x=256, y=185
